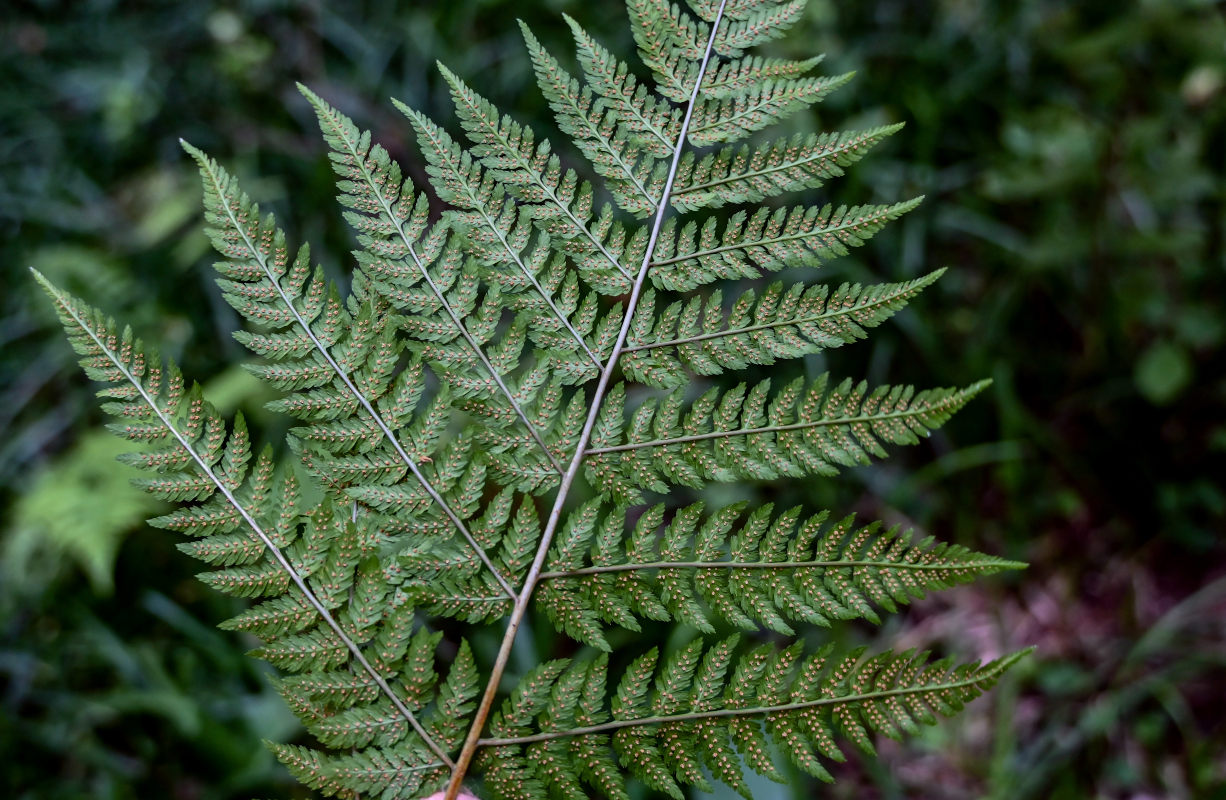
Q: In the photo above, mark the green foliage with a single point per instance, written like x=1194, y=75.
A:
x=681, y=731
x=469, y=380
x=58, y=515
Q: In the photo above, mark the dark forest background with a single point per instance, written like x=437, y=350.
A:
x=1073, y=155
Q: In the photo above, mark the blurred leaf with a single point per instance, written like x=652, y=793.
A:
x=1163, y=372
x=60, y=518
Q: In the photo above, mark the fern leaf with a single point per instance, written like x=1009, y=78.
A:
x=741, y=174
x=560, y=202
x=765, y=241
x=651, y=121
x=402, y=771
x=113, y=357
x=762, y=572
x=750, y=72
x=740, y=434
x=450, y=406
x=752, y=24
x=698, y=337
x=349, y=362
x=371, y=184
x=501, y=236
x=696, y=713
x=590, y=126
x=729, y=119
x=670, y=44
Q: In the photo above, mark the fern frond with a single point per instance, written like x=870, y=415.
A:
x=696, y=721
x=766, y=241
x=748, y=571
x=670, y=44
x=698, y=336
x=559, y=201
x=371, y=184
x=652, y=122
x=401, y=771
x=753, y=22
x=739, y=174
x=738, y=434
x=338, y=361
x=497, y=233
x=154, y=395
x=750, y=72
x=594, y=129
x=729, y=119
x=450, y=583
x=487, y=362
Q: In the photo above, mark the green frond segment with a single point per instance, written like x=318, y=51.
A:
x=390, y=218
x=746, y=433
x=747, y=245
x=751, y=173
x=496, y=230
x=754, y=571
x=714, y=712
x=698, y=336
x=670, y=43
x=314, y=571
x=743, y=75
x=556, y=200
x=393, y=772
x=751, y=22
x=449, y=582
x=593, y=127
x=340, y=363
x=729, y=119
x=740, y=95
x=425, y=274
x=750, y=571
x=649, y=121
x=343, y=712
x=336, y=361
x=503, y=236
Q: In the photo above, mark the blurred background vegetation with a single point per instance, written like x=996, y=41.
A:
x=1074, y=159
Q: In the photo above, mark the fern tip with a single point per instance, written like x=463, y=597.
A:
x=404, y=108
x=842, y=80
x=50, y=288
x=1005, y=663
x=573, y=23
x=977, y=387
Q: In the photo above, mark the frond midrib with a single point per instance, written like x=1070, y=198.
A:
x=471, y=742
